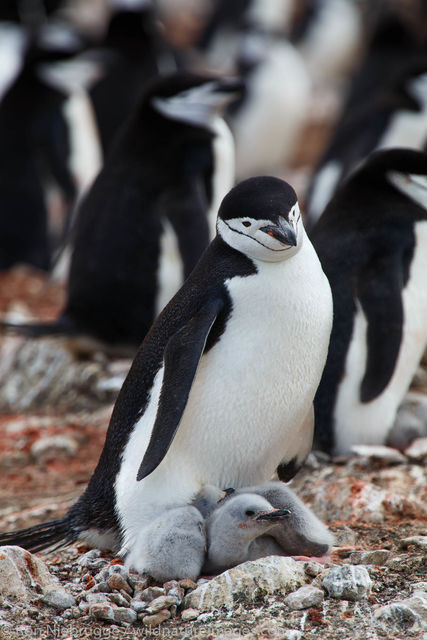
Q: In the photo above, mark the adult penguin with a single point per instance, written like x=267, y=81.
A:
x=372, y=243
x=146, y=219
x=222, y=387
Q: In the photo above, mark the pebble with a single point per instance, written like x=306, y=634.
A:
x=58, y=598
x=124, y=614
x=118, y=599
x=313, y=568
x=116, y=582
x=305, y=597
x=162, y=602
x=377, y=557
x=138, y=605
x=151, y=593
x=102, y=611
x=187, y=583
x=157, y=618
x=416, y=541
x=172, y=588
x=189, y=614
x=398, y=617
x=347, y=582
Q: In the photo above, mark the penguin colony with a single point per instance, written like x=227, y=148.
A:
x=220, y=393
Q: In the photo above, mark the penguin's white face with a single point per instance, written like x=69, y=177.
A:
x=263, y=239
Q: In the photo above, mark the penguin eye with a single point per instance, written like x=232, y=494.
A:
x=249, y=512
x=246, y=223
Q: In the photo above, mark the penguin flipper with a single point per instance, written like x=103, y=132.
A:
x=181, y=359
x=379, y=290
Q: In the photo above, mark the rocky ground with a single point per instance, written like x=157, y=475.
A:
x=55, y=405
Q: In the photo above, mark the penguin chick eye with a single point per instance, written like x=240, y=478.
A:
x=249, y=512
x=246, y=223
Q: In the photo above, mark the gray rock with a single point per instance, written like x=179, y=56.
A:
x=138, y=605
x=377, y=557
x=157, y=618
x=398, y=616
x=150, y=593
x=247, y=582
x=52, y=447
x=305, y=597
x=189, y=614
x=23, y=575
x=416, y=541
x=118, y=599
x=58, y=598
x=313, y=568
x=347, y=582
x=124, y=614
x=162, y=602
x=102, y=611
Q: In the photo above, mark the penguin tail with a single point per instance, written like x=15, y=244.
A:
x=38, y=329
x=50, y=535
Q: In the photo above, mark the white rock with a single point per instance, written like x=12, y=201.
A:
x=417, y=450
x=347, y=582
x=124, y=614
x=23, y=575
x=398, y=616
x=416, y=541
x=58, y=598
x=378, y=452
x=305, y=597
x=377, y=557
x=189, y=614
x=51, y=447
x=247, y=582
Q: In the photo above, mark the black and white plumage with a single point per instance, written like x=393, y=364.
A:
x=221, y=389
x=372, y=242
x=148, y=216
x=255, y=522
x=35, y=146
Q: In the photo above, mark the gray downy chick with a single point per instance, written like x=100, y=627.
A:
x=174, y=545
x=233, y=527
x=300, y=534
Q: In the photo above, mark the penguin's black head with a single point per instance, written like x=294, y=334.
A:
x=261, y=218
x=191, y=98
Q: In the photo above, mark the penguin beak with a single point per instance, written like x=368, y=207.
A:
x=226, y=90
x=282, y=231
x=275, y=515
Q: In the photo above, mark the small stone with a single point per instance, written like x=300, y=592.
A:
x=23, y=575
x=305, y=597
x=58, y=598
x=52, y=447
x=189, y=614
x=377, y=557
x=313, y=568
x=116, y=582
x=101, y=587
x=94, y=598
x=417, y=541
x=347, y=582
x=124, y=614
x=417, y=450
x=187, y=583
x=172, y=588
x=88, y=557
x=162, y=602
x=140, y=583
x=379, y=453
x=102, y=612
x=156, y=619
x=118, y=599
x=398, y=617
x=344, y=536
x=138, y=605
x=152, y=592
x=292, y=634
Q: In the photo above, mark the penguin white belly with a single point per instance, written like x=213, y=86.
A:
x=251, y=393
x=369, y=423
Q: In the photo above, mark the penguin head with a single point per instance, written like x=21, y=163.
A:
x=251, y=513
x=193, y=99
x=260, y=217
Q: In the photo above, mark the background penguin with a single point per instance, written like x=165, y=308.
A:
x=35, y=143
x=146, y=219
x=251, y=322
x=386, y=106
x=372, y=243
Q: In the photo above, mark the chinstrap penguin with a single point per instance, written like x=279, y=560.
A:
x=372, y=242
x=221, y=390
x=147, y=219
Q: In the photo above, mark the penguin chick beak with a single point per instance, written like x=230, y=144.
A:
x=282, y=231
x=275, y=515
